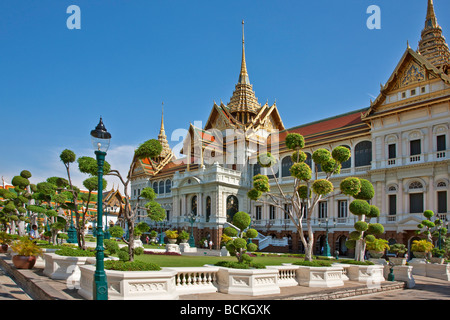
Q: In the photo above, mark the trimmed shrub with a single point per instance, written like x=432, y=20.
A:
x=254, y=194
x=303, y=192
x=355, y=235
x=321, y=156
x=375, y=228
x=331, y=166
x=359, y=207
x=428, y=214
x=74, y=252
x=230, y=231
x=322, y=186
x=131, y=265
x=241, y=220
x=295, y=141
x=298, y=156
x=301, y=171
x=239, y=243
x=367, y=191
x=252, y=247
x=251, y=233
x=266, y=160
x=350, y=186
x=315, y=263
x=361, y=226
x=261, y=185
x=374, y=212
x=341, y=154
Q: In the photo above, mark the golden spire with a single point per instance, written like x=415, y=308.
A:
x=431, y=20
x=243, y=104
x=243, y=76
x=162, y=138
x=432, y=44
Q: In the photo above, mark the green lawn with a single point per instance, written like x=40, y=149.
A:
x=198, y=261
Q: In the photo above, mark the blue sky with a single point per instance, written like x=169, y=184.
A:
x=315, y=58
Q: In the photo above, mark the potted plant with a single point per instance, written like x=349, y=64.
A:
x=399, y=249
x=172, y=235
x=5, y=240
x=420, y=248
x=437, y=255
x=27, y=252
x=376, y=247
x=153, y=235
x=183, y=236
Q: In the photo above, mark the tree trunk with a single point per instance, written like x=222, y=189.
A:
x=131, y=240
x=360, y=249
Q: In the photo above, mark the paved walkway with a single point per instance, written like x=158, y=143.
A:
x=20, y=284
x=426, y=289
x=9, y=290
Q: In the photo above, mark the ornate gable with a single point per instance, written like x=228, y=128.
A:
x=412, y=72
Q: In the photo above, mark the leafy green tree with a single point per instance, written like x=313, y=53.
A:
x=14, y=203
x=236, y=241
x=308, y=190
x=149, y=149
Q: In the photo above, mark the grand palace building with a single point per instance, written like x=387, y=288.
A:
x=399, y=143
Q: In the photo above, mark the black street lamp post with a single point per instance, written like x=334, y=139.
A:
x=100, y=141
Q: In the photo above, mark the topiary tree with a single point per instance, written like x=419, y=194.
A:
x=432, y=229
x=149, y=149
x=236, y=238
x=307, y=192
x=15, y=202
x=362, y=190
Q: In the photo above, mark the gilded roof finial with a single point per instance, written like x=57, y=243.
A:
x=243, y=76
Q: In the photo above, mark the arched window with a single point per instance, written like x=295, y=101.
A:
x=155, y=187
x=208, y=208
x=161, y=187
x=348, y=163
x=194, y=205
x=363, y=154
x=168, y=186
x=416, y=198
x=232, y=207
x=415, y=185
x=286, y=164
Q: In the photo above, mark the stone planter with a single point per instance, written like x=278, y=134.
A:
x=404, y=273
x=320, y=277
x=438, y=271
x=371, y=275
x=172, y=241
x=398, y=261
x=376, y=254
x=437, y=260
x=385, y=265
x=250, y=282
x=185, y=247
x=419, y=266
x=61, y=267
x=131, y=285
x=40, y=262
x=184, y=240
x=173, y=248
x=420, y=255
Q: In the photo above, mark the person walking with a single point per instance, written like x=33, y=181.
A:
x=210, y=244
